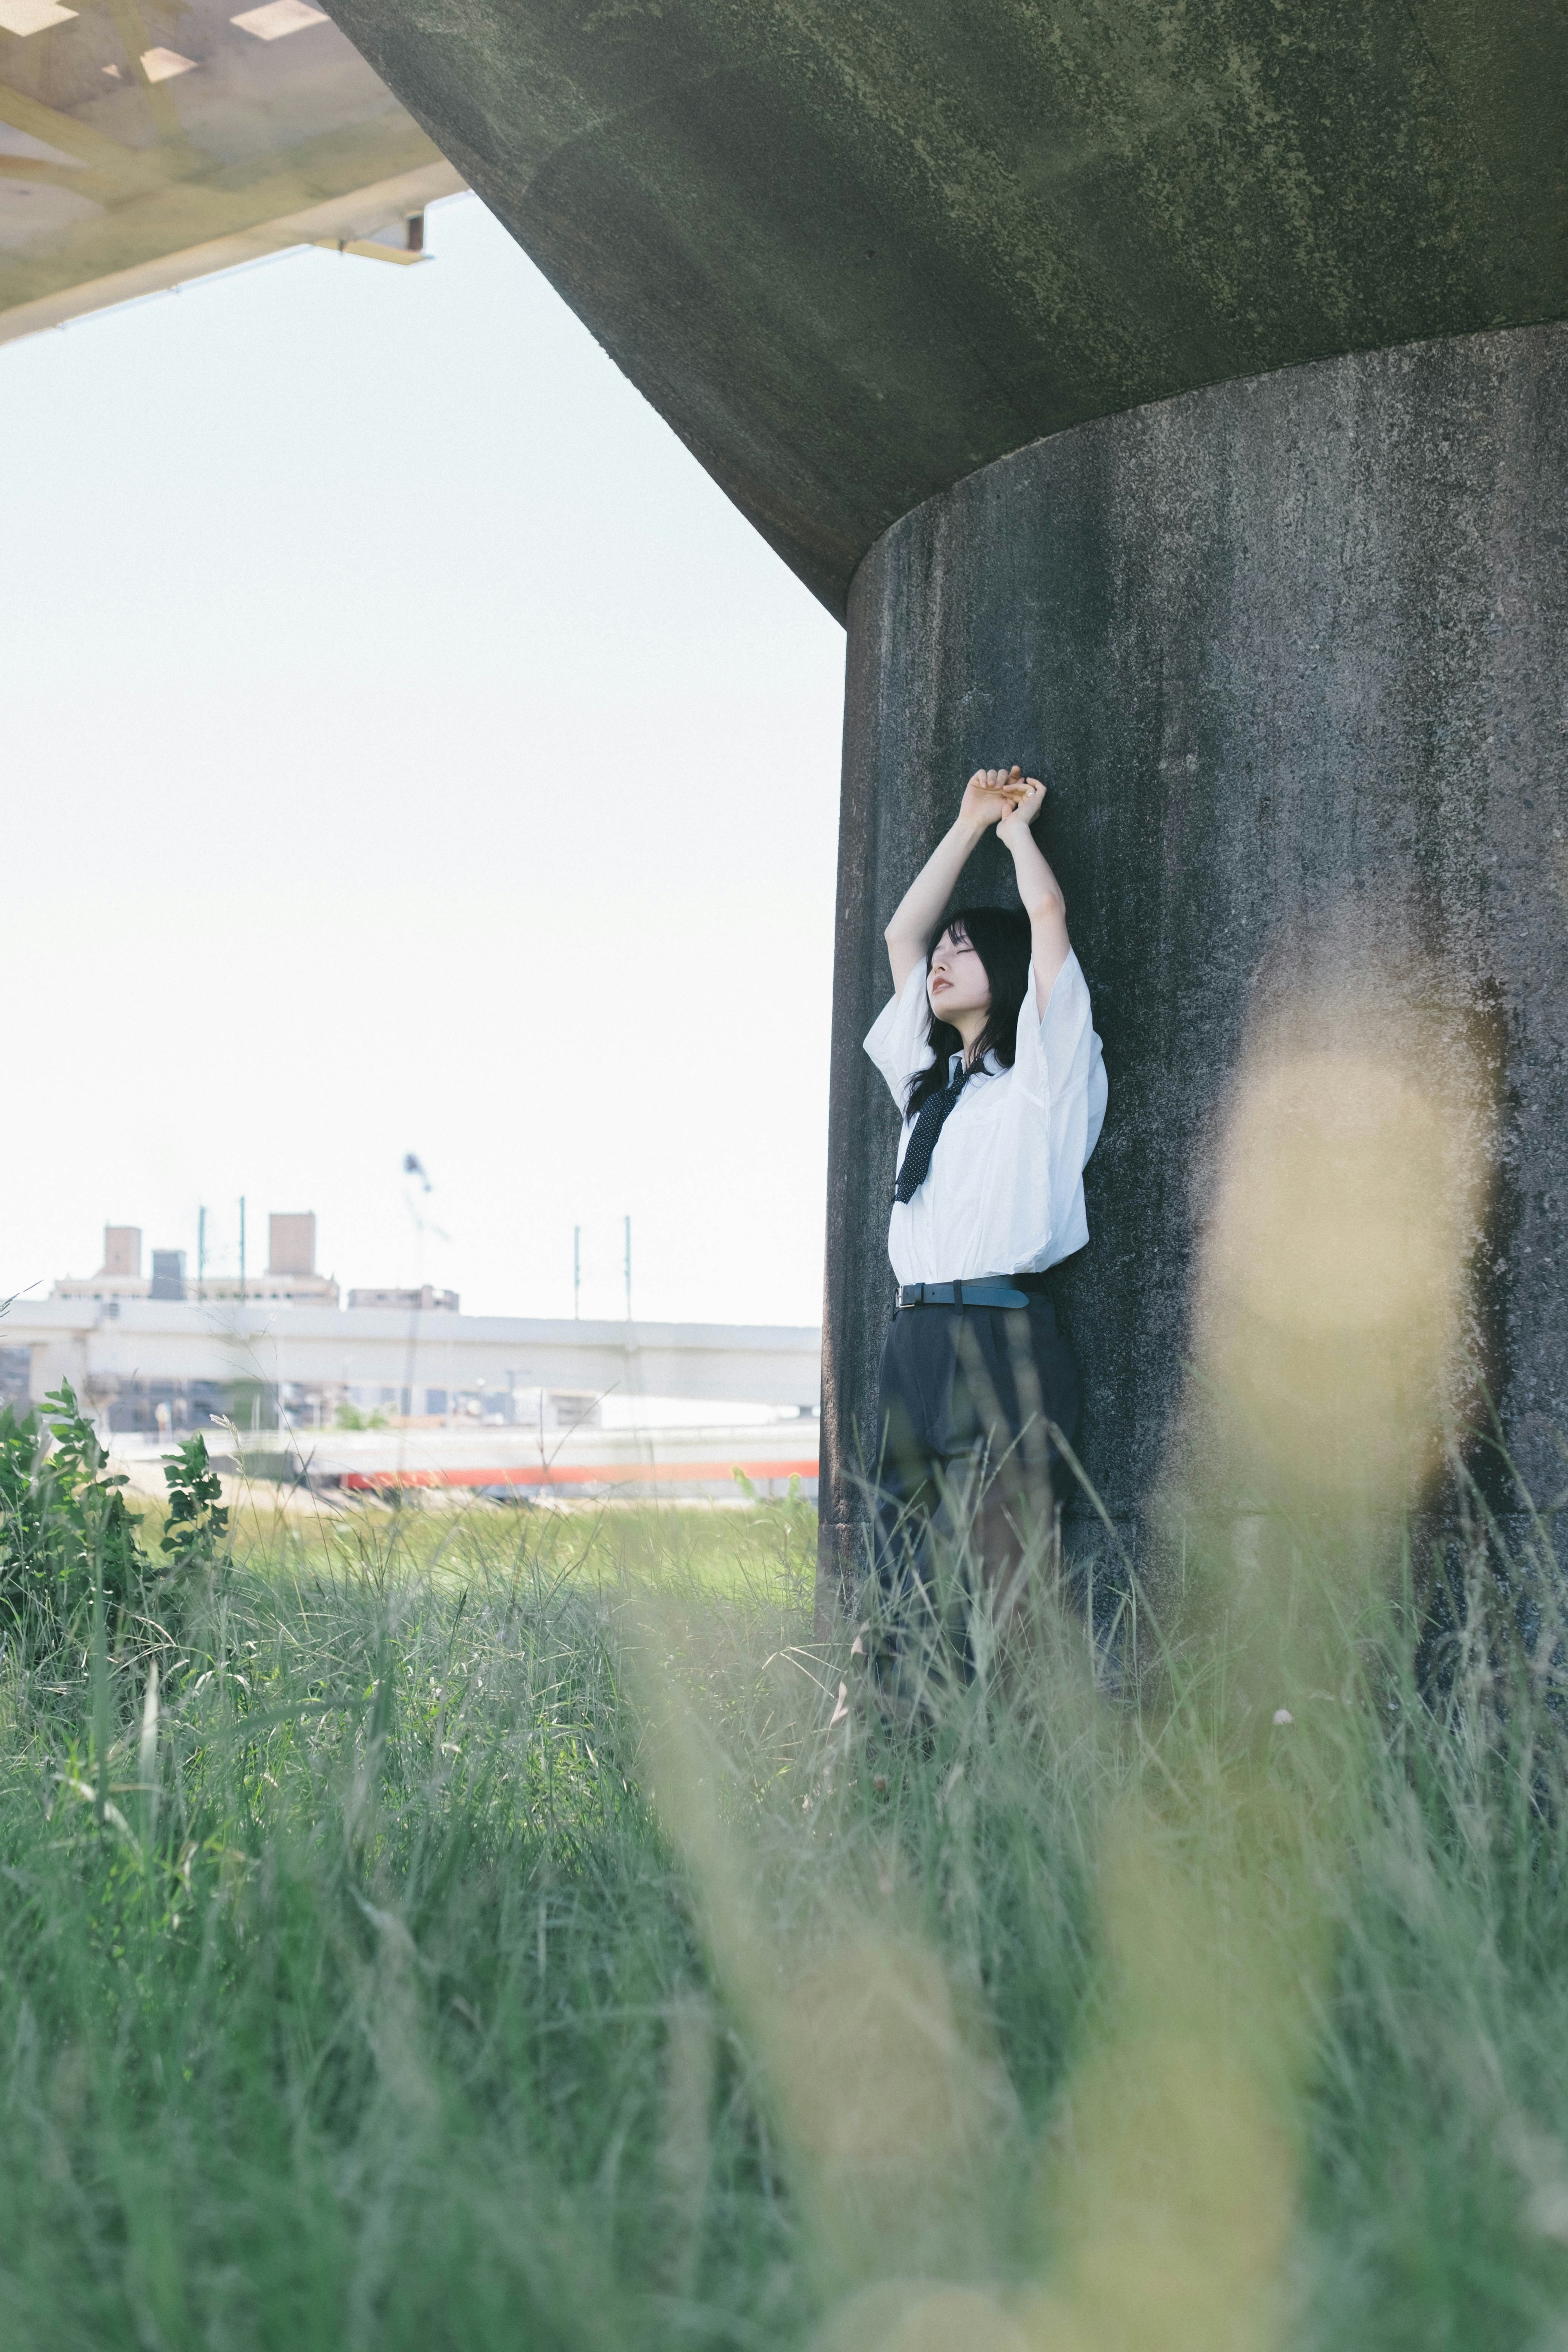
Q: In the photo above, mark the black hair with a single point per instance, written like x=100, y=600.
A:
x=1001, y=937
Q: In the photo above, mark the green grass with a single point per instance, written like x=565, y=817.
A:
x=505, y=1951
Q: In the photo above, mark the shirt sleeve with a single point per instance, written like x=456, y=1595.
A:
x=1058, y=1062
x=897, y=1040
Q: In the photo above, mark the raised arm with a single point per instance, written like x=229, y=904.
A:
x=1038, y=885
x=909, y=934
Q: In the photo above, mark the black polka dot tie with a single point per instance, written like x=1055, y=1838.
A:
x=917, y=1158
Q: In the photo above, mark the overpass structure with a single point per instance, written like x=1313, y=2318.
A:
x=1172, y=396
x=102, y=1345
x=143, y=145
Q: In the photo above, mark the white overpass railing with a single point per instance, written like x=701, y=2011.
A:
x=85, y=1341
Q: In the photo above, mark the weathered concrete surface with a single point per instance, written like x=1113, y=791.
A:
x=854, y=249
x=1294, y=648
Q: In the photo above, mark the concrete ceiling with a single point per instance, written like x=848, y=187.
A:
x=853, y=249
x=145, y=142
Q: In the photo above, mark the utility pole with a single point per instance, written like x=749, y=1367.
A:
x=201, y=1252
x=576, y=1271
x=628, y=1226
x=242, y=1246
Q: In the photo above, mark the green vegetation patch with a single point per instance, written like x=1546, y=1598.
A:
x=502, y=1929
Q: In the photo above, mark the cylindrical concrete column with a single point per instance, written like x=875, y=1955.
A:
x=1293, y=648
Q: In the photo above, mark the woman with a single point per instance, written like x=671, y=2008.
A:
x=991, y=1054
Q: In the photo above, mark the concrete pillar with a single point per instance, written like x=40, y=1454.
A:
x=1293, y=648
x=66, y=1358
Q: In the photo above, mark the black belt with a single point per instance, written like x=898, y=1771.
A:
x=985, y=1290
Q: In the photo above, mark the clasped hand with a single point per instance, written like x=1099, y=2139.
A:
x=998, y=795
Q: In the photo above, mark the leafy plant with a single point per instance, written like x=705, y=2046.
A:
x=197, y=1530
x=348, y=1416
x=65, y=1531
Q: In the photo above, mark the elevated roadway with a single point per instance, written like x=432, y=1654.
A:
x=96, y=1345
x=140, y=149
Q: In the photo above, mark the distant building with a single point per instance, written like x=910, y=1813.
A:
x=290, y=1272
x=122, y=1252
x=290, y=1267
x=174, y=1406
x=168, y=1274
x=425, y=1301
x=119, y=1275
x=291, y=1244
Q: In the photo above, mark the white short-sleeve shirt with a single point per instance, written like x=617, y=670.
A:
x=1005, y=1194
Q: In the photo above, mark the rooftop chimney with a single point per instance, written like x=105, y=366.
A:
x=122, y=1251
x=291, y=1242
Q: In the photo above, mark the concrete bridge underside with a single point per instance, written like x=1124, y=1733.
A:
x=1175, y=391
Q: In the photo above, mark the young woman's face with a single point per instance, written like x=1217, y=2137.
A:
x=957, y=980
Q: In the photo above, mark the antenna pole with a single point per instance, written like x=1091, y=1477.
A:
x=628, y=1226
x=576, y=1271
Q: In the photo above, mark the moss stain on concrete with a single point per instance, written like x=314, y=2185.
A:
x=854, y=248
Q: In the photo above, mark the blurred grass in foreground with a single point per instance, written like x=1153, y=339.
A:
x=493, y=1941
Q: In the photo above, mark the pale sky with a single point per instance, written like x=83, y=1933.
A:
x=408, y=749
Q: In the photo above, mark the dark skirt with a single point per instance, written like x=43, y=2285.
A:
x=971, y=1400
